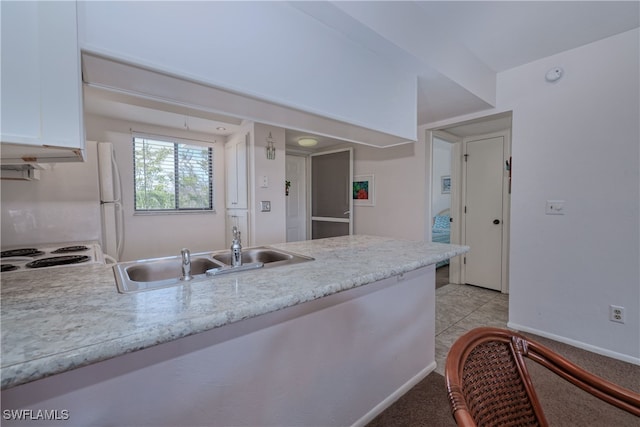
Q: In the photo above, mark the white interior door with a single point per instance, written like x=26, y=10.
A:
x=483, y=211
x=331, y=193
x=296, y=198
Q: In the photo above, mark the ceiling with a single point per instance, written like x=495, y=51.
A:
x=488, y=36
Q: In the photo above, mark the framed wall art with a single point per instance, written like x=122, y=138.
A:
x=446, y=184
x=363, y=190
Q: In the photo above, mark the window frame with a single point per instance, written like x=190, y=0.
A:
x=176, y=143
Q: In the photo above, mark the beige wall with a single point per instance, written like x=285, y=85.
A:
x=267, y=227
x=400, y=191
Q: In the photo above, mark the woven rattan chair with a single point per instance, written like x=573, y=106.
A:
x=489, y=385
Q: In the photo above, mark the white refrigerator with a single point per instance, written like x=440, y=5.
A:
x=110, y=202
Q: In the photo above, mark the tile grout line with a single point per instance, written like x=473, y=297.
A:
x=493, y=298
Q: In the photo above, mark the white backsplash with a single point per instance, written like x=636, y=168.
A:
x=27, y=223
x=63, y=206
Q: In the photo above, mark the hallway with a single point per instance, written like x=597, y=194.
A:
x=460, y=308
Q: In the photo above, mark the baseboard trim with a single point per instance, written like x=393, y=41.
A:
x=380, y=407
x=579, y=344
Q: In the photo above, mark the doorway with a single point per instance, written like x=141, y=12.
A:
x=441, y=186
x=331, y=198
x=466, y=138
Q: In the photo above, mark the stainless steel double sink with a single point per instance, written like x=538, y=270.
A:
x=155, y=273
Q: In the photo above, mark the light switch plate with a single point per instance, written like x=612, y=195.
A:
x=554, y=207
x=264, y=182
x=265, y=206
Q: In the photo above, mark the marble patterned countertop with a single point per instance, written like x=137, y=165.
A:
x=55, y=320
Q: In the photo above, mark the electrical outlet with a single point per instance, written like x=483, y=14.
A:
x=616, y=313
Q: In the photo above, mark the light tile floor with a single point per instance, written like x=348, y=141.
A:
x=460, y=308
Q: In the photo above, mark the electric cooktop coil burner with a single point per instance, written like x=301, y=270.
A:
x=58, y=260
x=21, y=252
x=68, y=249
x=8, y=267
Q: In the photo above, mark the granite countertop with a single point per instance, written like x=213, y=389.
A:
x=56, y=320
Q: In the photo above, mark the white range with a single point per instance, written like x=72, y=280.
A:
x=50, y=256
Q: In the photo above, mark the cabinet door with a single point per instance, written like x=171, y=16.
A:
x=41, y=84
x=236, y=174
x=231, y=175
x=241, y=175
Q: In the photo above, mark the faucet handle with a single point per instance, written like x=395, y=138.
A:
x=186, y=264
x=186, y=256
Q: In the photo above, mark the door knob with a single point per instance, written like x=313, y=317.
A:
x=496, y=221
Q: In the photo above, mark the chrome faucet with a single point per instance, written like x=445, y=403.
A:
x=186, y=264
x=236, y=248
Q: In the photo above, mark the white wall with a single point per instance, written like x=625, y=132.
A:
x=278, y=53
x=149, y=236
x=441, y=167
x=577, y=140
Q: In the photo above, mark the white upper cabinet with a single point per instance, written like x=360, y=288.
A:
x=236, y=172
x=41, y=83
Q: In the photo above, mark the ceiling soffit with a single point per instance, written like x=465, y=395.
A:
x=111, y=75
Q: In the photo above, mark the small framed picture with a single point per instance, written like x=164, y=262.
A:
x=363, y=190
x=446, y=184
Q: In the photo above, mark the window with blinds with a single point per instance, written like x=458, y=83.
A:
x=170, y=175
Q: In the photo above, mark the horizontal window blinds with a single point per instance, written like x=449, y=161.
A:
x=172, y=176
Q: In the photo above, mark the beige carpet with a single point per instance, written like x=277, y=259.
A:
x=426, y=404
x=566, y=405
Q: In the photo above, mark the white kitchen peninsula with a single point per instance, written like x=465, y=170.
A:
x=327, y=342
